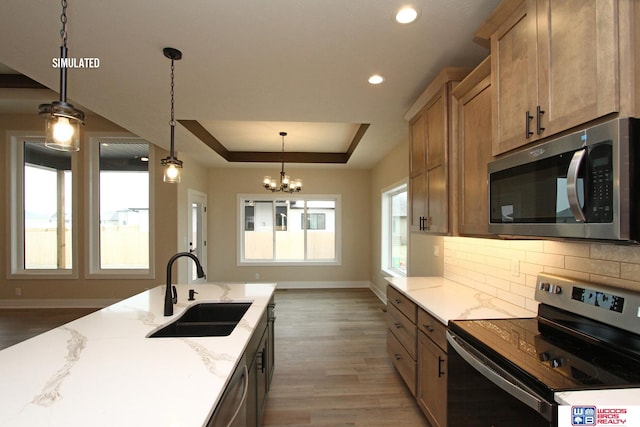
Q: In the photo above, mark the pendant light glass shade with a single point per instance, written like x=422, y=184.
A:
x=171, y=170
x=62, y=126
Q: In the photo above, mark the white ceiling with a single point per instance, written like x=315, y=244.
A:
x=250, y=68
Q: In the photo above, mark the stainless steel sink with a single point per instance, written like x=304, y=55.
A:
x=207, y=319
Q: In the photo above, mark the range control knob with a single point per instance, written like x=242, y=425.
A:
x=544, y=357
x=556, y=363
x=544, y=286
x=556, y=289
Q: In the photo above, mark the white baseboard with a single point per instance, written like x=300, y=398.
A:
x=379, y=293
x=323, y=285
x=56, y=303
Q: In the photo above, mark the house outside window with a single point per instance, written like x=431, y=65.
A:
x=121, y=220
x=41, y=236
x=394, y=230
x=278, y=230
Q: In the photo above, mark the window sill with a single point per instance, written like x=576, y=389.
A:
x=392, y=273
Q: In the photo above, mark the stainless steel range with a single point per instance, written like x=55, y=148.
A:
x=505, y=372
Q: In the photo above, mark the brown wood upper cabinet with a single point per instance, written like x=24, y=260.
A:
x=432, y=123
x=559, y=64
x=474, y=145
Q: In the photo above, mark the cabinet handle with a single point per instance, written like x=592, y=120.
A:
x=397, y=301
x=421, y=225
x=397, y=356
x=527, y=132
x=261, y=362
x=428, y=327
x=428, y=221
x=440, y=372
x=539, y=113
x=397, y=325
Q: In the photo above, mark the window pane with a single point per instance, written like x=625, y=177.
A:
x=321, y=229
x=258, y=230
x=290, y=234
x=289, y=230
x=47, y=208
x=124, y=206
x=399, y=231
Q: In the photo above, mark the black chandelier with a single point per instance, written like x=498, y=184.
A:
x=286, y=185
x=62, y=120
x=172, y=164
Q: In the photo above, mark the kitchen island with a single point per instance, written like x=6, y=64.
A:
x=102, y=370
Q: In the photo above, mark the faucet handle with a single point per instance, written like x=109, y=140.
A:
x=175, y=294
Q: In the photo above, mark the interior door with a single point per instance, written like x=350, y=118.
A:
x=196, y=232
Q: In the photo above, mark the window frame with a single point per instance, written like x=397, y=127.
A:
x=93, y=265
x=16, y=223
x=386, y=229
x=240, y=216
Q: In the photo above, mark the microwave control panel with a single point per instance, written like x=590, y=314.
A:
x=599, y=207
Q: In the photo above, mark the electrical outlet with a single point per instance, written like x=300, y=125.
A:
x=436, y=250
x=18, y=291
x=257, y=276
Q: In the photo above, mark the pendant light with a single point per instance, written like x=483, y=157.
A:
x=63, y=121
x=286, y=185
x=172, y=164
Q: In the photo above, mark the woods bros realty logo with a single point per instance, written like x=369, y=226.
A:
x=75, y=62
x=590, y=415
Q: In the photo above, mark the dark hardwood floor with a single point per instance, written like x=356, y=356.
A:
x=332, y=367
x=19, y=324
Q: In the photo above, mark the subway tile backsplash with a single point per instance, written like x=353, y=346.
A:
x=508, y=268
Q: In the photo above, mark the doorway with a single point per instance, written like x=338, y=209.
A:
x=196, y=232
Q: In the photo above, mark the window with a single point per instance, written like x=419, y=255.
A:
x=120, y=214
x=42, y=213
x=279, y=230
x=394, y=230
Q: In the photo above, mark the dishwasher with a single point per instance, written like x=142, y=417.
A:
x=232, y=408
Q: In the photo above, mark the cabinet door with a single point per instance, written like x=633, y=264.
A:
x=261, y=371
x=432, y=381
x=475, y=153
x=437, y=200
x=436, y=129
x=418, y=197
x=578, y=63
x=417, y=143
x=514, y=80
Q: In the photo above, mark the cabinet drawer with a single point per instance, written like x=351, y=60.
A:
x=432, y=328
x=404, y=364
x=403, y=329
x=402, y=303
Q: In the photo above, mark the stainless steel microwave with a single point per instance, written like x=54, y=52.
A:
x=579, y=186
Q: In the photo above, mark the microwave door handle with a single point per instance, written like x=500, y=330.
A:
x=572, y=184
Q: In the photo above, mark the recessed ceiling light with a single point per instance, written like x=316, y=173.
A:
x=406, y=15
x=376, y=79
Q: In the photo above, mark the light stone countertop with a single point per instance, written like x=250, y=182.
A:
x=448, y=300
x=101, y=370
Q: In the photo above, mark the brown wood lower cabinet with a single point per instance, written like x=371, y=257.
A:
x=416, y=343
x=432, y=381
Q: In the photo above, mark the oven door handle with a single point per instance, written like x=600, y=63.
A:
x=499, y=377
